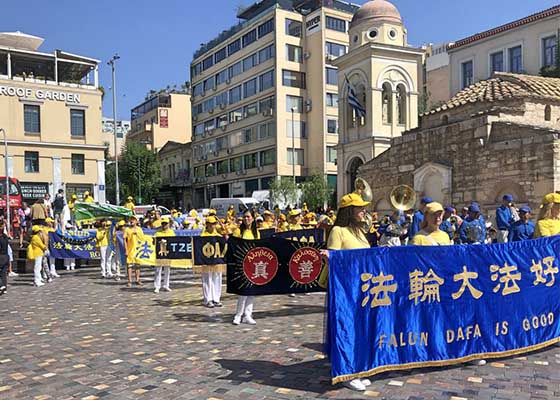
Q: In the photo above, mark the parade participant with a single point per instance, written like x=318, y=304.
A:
x=130, y=235
x=58, y=206
x=88, y=198
x=38, y=212
x=51, y=260
x=473, y=228
x=548, y=223
x=102, y=239
x=304, y=208
x=294, y=220
x=116, y=260
x=165, y=231
x=450, y=223
x=392, y=233
x=430, y=234
x=281, y=224
x=156, y=221
x=268, y=219
x=522, y=229
x=212, y=274
x=418, y=217
x=260, y=223
x=504, y=218
x=69, y=263
x=129, y=204
x=35, y=251
x=248, y=231
x=230, y=214
x=4, y=259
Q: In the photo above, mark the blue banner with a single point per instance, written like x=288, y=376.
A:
x=73, y=244
x=410, y=307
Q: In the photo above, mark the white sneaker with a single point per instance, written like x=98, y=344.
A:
x=366, y=382
x=117, y=278
x=292, y=295
x=55, y=275
x=72, y=267
x=249, y=320
x=109, y=276
x=479, y=363
x=166, y=289
x=12, y=274
x=237, y=320
x=355, y=384
x=156, y=290
x=39, y=284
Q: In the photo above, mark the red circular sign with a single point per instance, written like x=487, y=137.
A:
x=305, y=265
x=260, y=265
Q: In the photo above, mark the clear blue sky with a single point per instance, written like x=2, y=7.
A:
x=156, y=39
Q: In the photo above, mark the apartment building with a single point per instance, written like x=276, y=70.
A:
x=265, y=97
x=175, y=168
x=123, y=127
x=50, y=110
x=161, y=118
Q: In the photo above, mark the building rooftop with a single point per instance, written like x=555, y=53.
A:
x=20, y=40
x=502, y=86
x=506, y=27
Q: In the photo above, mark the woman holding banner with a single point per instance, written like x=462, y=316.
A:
x=248, y=231
x=130, y=235
x=165, y=231
x=212, y=274
x=430, y=234
x=548, y=223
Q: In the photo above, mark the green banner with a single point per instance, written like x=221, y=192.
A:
x=94, y=211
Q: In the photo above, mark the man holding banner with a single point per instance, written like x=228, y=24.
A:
x=212, y=274
x=163, y=232
x=130, y=236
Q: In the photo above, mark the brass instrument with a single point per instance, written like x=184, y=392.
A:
x=403, y=197
x=363, y=189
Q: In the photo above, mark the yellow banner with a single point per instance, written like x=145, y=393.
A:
x=145, y=254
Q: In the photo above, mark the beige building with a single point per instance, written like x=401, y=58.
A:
x=385, y=74
x=247, y=81
x=50, y=108
x=437, y=86
x=123, y=128
x=161, y=118
x=523, y=46
x=175, y=166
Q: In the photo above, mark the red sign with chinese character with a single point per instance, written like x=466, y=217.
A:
x=163, y=118
x=305, y=265
x=260, y=265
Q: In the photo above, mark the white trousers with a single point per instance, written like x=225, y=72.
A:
x=166, y=277
x=38, y=264
x=116, y=263
x=502, y=236
x=211, y=286
x=245, y=306
x=105, y=252
x=69, y=263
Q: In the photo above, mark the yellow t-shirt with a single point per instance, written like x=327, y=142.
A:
x=435, y=238
x=205, y=233
x=342, y=238
x=164, y=233
x=129, y=205
x=36, y=247
x=102, y=237
x=547, y=227
x=247, y=235
x=130, y=235
x=295, y=227
x=89, y=199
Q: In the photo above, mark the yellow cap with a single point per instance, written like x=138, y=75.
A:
x=212, y=211
x=193, y=213
x=36, y=228
x=551, y=198
x=121, y=223
x=165, y=220
x=231, y=207
x=282, y=217
x=211, y=220
x=74, y=196
x=108, y=223
x=129, y=198
x=86, y=193
x=267, y=212
x=185, y=222
x=294, y=213
x=352, y=199
x=49, y=220
x=433, y=207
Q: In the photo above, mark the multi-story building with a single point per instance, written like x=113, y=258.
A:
x=524, y=46
x=265, y=97
x=437, y=86
x=50, y=109
x=175, y=166
x=161, y=118
x=123, y=127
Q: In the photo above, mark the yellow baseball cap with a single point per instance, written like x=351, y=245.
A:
x=551, y=198
x=121, y=223
x=212, y=211
x=49, y=220
x=294, y=213
x=129, y=198
x=282, y=217
x=165, y=220
x=433, y=207
x=74, y=196
x=352, y=199
x=267, y=212
x=185, y=222
x=108, y=223
x=211, y=220
x=36, y=228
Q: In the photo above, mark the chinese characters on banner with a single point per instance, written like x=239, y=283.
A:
x=73, y=244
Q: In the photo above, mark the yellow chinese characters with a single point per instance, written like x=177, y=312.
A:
x=508, y=279
x=540, y=273
x=466, y=276
x=378, y=287
x=424, y=287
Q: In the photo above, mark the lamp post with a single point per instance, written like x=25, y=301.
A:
x=7, y=181
x=117, y=185
x=293, y=109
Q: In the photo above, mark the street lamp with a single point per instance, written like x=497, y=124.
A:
x=7, y=181
x=117, y=185
x=293, y=146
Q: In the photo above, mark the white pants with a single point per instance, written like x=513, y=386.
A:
x=69, y=263
x=502, y=236
x=116, y=263
x=245, y=306
x=105, y=252
x=211, y=286
x=38, y=263
x=166, y=277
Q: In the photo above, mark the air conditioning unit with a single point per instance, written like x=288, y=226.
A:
x=268, y=112
x=211, y=111
x=216, y=153
x=211, y=132
x=205, y=157
x=214, y=88
x=260, y=168
x=228, y=81
x=330, y=57
x=306, y=55
x=308, y=105
x=222, y=106
x=224, y=176
x=195, y=117
x=202, y=94
x=224, y=127
x=237, y=173
x=204, y=134
x=229, y=151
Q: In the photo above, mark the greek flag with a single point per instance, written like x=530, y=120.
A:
x=353, y=100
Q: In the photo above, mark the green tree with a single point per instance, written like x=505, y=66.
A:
x=283, y=191
x=139, y=173
x=316, y=192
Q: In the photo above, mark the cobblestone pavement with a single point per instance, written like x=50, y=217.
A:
x=82, y=337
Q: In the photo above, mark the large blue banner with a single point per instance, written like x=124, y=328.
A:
x=408, y=307
x=73, y=244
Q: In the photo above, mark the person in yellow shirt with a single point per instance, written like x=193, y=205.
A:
x=294, y=220
x=102, y=239
x=248, y=231
x=430, y=234
x=304, y=208
x=129, y=203
x=548, y=223
x=156, y=222
x=212, y=276
x=88, y=198
x=35, y=251
x=268, y=217
x=130, y=235
x=165, y=231
x=230, y=214
x=281, y=224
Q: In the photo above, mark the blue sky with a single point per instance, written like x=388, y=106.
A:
x=156, y=39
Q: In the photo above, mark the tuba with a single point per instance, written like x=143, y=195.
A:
x=403, y=197
x=363, y=189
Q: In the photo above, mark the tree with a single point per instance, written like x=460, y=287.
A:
x=283, y=191
x=316, y=192
x=139, y=173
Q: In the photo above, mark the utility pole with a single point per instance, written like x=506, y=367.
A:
x=117, y=184
x=8, y=228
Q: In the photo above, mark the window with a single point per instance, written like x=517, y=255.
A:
x=293, y=28
x=332, y=100
x=266, y=130
x=250, y=110
x=208, y=105
x=549, y=50
x=209, y=84
x=547, y=113
x=220, y=55
x=293, y=79
x=221, y=99
x=199, y=172
x=198, y=129
x=196, y=69
x=267, y=157
x=295, y=102
x=77, y=123
x=294, y=53
x=266, y=104
x=467, y=77
x=32, y=118
x=332, y=126
x=251, y=160
x=235, y=69
x=298, y=156
x=222, y=143
x=335, y=49
x=234, y=47
x=497, y=62
x=298, y=126
x=266, y=28
x=336, y=24
x=221, y=77
x=332, y=76
x=222, y=167
x=235, y=94
x=401, y=104
x=207, y=62
x=209, y=125
x=210, y=170
x=266, y=54
x=331, y=154
x=78, y=164
x=197, y=89
x=31, y=161
x=515, y=59
x=249, y=38
x=387, y=106
x=236, y=115
x=236, y=164
x=248, y=135
x=250, y=88
x=266, y=81
x=250, y=62
x=222, y=121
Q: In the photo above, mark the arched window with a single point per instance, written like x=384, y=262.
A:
x=401, y=104
x=547, y=113
x=361, y=95
x=387, y=99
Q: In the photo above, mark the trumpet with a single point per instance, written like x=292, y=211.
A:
x=363, y=189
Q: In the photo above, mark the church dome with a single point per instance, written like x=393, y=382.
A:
x=377, y=10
